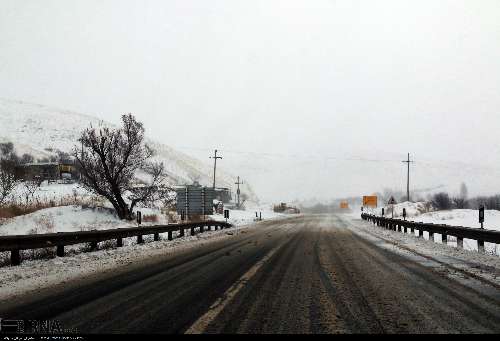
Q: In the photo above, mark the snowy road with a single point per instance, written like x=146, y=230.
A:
x=312, y=274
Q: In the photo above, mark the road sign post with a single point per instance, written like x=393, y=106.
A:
x=139, y=218
x=481, y=216
x=392, y=202
x=404, y=213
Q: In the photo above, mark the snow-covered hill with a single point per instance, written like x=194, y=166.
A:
x=41, y=131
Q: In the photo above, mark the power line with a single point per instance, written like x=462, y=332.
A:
x=451, y=165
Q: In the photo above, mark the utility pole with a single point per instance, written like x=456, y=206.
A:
x=215, y=157
x=238, y=191
x=408, y=177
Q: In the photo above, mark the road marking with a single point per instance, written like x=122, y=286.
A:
x=204, y=321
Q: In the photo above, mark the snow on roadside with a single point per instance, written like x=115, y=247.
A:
x=75, y=219
x=60, y=219
x=458, y=217
x=244, y=217
x=420, y=211
x=67, y=219
x=466, y=218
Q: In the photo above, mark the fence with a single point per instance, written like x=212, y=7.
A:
x=460, y=232
x=15, y=244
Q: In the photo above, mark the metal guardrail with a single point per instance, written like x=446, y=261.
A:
x=16, y=243
x=460, y=232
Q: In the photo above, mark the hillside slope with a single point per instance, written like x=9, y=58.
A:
x=41, y=131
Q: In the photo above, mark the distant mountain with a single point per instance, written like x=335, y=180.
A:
x=42, y=131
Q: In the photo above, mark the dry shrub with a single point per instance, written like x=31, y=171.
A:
x=16, y=210
x=150, y=218
x=196, y=218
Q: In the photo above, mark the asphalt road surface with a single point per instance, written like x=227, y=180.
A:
x=311, y=274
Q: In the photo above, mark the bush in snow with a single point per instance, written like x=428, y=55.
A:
x=441, y=201
x=460, y=203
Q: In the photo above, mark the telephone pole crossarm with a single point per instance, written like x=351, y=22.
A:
x=238, y=191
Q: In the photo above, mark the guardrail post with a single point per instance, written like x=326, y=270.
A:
x=412, y=229
x=170, y=235
x=405, y=229
x=421, y=233
x=480, y=246
x=431, y=236
x=460, y=242
x=156, y=237
x=140, y=240
x=192, y=231
x=93, y=246
x=202, y=228
x=181, y=232
x=119, y=242
x=399, y=227
x=209, y=228
x=15, y=257
x=444, y=238
x=60, y=251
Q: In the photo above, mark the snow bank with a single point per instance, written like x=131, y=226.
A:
x=466, y=218
x=420, y=211
x=244, y=217
x=61, y=219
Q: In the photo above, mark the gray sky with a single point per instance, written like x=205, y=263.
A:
x=298, y=80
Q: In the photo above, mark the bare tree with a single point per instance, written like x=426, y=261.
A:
x=27, y=158
x=464, y=192
x=7, y=185
x=109, y=159
x=150, y=192
x=30, y=184
x=30, y=187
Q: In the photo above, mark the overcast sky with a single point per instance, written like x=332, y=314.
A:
x=312, y=84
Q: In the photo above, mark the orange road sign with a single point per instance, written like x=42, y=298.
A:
x=370, y=201
x=344, y=205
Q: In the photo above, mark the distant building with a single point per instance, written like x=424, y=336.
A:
x=284, y=208
x=47, y=171
x=223, y=194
